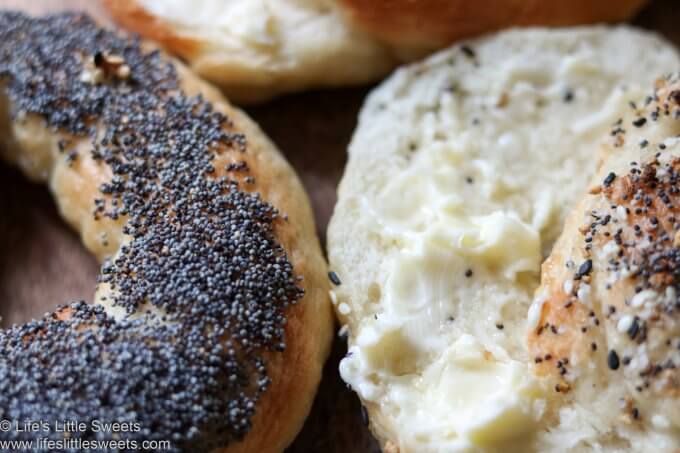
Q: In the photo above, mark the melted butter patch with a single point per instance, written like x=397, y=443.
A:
x=468, y=398
x=499, y=240
x=488, y=398
x=426, y=273
x=502, y=240
x=449, y=387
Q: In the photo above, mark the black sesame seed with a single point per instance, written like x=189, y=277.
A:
x=584, y=269
x=468, y=273
x=334, y=278
x=634, y=328
x=467, y=50
x=613, y=360
x=364, y=415
x=609, y=179
x=640, y=122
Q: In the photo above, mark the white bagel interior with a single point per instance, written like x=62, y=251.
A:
x=258, y=48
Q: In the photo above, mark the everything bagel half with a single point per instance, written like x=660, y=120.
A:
x=210, y=323
x=460, y=175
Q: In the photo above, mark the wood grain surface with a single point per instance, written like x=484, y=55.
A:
x=42, y=262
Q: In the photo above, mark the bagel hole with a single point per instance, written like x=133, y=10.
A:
x=42, y=261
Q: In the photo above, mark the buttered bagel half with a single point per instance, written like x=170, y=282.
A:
x=460, y=175
x=256, y=49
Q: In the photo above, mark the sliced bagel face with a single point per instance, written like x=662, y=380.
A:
x=256, y=49
x=460, y=173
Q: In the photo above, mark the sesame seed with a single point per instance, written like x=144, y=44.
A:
x=609, y=179
x=364, y=415
x=334, y=278
x=467, y=50
x=639, y=122
x=584, y=269
x=613, y=360
x=634, y=328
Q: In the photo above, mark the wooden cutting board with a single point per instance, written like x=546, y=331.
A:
x=42, y=262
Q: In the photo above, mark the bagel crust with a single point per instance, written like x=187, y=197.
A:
x=210, y=324
x=605, y=329
x=433, y=23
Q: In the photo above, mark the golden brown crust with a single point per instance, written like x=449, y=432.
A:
x=607, y=331
x=432, y=23
x=296, y=372
x=131, y=15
